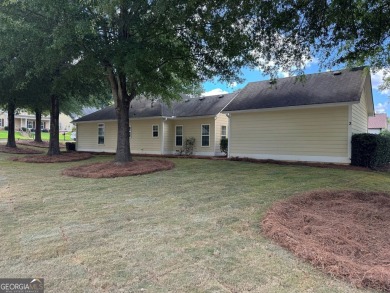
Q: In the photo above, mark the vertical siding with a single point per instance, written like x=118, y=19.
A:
x=300, y=134
x=359, y=115
x=142, y=140
x=87, y=137
x=221, y=119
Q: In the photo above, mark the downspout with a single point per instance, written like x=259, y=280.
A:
x=229, y=133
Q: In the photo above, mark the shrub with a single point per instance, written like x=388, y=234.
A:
x=189, y=145
x=6, y=128
x=24, y=129
x=223, y=146
x=385, y=133
x=370, y=150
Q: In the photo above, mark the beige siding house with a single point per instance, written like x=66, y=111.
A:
x=310, y=121
x=27, y=120
x=156, y=128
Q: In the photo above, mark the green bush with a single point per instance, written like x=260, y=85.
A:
x=370, y=150
x=189, y=146
x=24, y=129
x=223, y=146
x=6, y=128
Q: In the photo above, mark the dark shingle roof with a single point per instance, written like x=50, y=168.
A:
x=202, y=106
x=320, y=88
x=187, y=107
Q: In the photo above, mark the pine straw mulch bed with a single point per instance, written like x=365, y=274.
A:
x=43, y=144
x=112, y=169
x=344, y=233
x=18, y=150
x=63, y=157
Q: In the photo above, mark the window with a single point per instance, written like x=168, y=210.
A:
x=155, y=130
x=2, y=122
x=100, y=133
x=223, y=131
x=179, y=135
x=129, y=131
x=205, y=135
x=30, y=124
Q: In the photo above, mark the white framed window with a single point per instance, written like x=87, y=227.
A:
x=179, y=135
x=155, y=130
x=129, y=131
x=2, y=122
x=205, y=135
x=101, y=133
x=30, y=124
x=223, y=131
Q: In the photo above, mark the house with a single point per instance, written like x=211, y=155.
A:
x=25, y=120
x=158, y=128
x=377, y=123
x=312, y=120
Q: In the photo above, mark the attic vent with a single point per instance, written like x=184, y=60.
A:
x=201, y=98
x=186, y=100
x=337, y=73
x=221, y=96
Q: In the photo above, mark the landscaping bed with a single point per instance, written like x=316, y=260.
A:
x=63, y=157
x=43, y=144
x=112, y=169
x=344, y=233
x=18, y=150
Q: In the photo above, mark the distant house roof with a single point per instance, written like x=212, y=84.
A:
x=379, y=121
x=187, y=107
x=319, y=88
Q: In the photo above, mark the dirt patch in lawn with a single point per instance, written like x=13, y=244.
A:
x=344, y=233
x=63, y=157
x=18, y=150
x=112, y=169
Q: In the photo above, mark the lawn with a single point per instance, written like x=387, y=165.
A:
x=44, y=135
x=195, y=228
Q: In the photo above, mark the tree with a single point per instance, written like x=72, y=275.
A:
x=42, y=36
x=354, y=33
x=162, y=48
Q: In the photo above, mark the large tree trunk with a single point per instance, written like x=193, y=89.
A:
x=11, y=125
x=38, y=121
x=123, y=154
x=54, y=143
x=122, y=105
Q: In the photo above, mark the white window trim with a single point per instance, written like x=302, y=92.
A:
x=201, y=136
x=222, y=135
x=101, y=125
x=158, y=131
x=182, y=128
x=1, y=122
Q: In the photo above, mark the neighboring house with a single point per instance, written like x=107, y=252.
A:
x=292, y=120
x=26, y=120
x=156, y=128
x=377, y=123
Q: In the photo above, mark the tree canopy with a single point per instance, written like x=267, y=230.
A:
x=164, y=48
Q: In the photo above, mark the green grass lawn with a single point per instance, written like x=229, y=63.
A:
x=44, y=135
x=195, y=228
